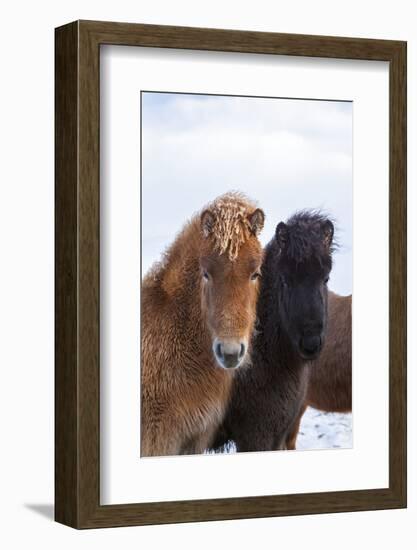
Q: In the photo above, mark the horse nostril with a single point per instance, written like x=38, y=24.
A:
x=219, y=350
x=242, y=351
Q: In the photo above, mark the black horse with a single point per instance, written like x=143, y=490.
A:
x=292, y=318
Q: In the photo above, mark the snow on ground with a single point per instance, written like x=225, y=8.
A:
x=320, y=430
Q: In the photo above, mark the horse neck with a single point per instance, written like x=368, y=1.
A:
x=272, y=336
x=181, y=281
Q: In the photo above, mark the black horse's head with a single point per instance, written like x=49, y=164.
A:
x=304, y=262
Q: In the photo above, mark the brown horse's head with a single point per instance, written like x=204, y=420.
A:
x=230, y=263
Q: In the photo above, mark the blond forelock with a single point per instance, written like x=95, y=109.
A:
x=231, y=226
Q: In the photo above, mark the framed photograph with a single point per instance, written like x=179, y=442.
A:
x=230, y=274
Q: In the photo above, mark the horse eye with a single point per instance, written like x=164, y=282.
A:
x=255, y=276
x=326, y=280
x=205, y=275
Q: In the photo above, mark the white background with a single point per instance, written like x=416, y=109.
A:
x=26, y=217
x=124, y=477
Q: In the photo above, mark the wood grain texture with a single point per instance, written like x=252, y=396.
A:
x=66, y=237
x=398, y=274
x=77, y=370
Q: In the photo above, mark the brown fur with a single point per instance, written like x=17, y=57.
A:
x=330, y=376
x=184, y=390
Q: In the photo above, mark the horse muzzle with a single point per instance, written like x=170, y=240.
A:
x=310, y=346
x=229, y=354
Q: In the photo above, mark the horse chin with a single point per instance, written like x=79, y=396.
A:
x=239, y=365
x=229, y=369
x=308, y=355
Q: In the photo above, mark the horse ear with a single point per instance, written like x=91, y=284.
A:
x=281, y=234
x=257, y=220
x=328, y=232
x=207, y=222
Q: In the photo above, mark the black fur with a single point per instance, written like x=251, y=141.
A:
x=292, y=317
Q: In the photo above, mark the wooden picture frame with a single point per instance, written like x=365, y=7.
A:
x=77, y=360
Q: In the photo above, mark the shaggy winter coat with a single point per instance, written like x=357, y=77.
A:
x=267, y=398
x=205, y=287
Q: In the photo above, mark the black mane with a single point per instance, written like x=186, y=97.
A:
x=304, y=238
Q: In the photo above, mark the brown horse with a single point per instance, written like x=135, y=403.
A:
x=198, y=312
x=330, y=376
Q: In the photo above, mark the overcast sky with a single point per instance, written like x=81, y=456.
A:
x=287, y=154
